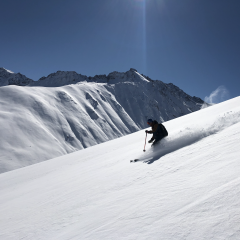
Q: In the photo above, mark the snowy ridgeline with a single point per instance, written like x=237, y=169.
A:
x=189, y=189
x=66, y=111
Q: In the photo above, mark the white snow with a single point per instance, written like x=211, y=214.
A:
x=8, y=70
x=187, y=189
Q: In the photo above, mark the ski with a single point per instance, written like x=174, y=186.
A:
x=135, y=160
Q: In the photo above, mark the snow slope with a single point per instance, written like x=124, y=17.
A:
x=50, y=118
x=187, y=189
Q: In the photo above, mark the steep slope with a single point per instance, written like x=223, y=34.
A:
x=190, y=191
x=41, y=123
x=53, y=114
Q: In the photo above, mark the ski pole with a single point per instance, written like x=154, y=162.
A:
x=145, y=143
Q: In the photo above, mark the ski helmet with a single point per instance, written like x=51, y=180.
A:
x=149, y=120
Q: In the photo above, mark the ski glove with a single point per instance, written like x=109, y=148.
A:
x=146, y=131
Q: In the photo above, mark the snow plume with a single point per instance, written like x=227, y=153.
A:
x=188, y=135
x=219, y=95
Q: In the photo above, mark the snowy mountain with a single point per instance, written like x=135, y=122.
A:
x=8, y=77
x=66, y=112
x=189, y=189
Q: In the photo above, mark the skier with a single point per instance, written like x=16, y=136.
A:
x=158, y=131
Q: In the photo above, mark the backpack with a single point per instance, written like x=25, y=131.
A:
x=163, y=130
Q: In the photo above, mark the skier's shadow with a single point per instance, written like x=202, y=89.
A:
x=166, y=147
x=158, y=154
x=155, y=158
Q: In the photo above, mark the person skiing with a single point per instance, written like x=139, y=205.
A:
x=158, y=131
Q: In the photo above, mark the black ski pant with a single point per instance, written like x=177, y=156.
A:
x=156, y=141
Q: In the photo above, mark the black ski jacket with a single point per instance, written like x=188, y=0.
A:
x=158, y=131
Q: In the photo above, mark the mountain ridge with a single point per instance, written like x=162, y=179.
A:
x=74, y=77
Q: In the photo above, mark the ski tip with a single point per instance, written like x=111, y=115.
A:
x=135, y=160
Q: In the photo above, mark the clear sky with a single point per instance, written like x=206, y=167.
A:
x=195, y=44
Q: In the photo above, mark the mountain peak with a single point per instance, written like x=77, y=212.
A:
x=2, y=69
x=130, y=76
x=8, y=77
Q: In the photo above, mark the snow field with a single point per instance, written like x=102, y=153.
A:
x=189, y=191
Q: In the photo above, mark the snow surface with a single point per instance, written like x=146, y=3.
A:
x=52, y=118
x=188, y=188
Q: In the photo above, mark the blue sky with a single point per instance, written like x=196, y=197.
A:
x=195, y=44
